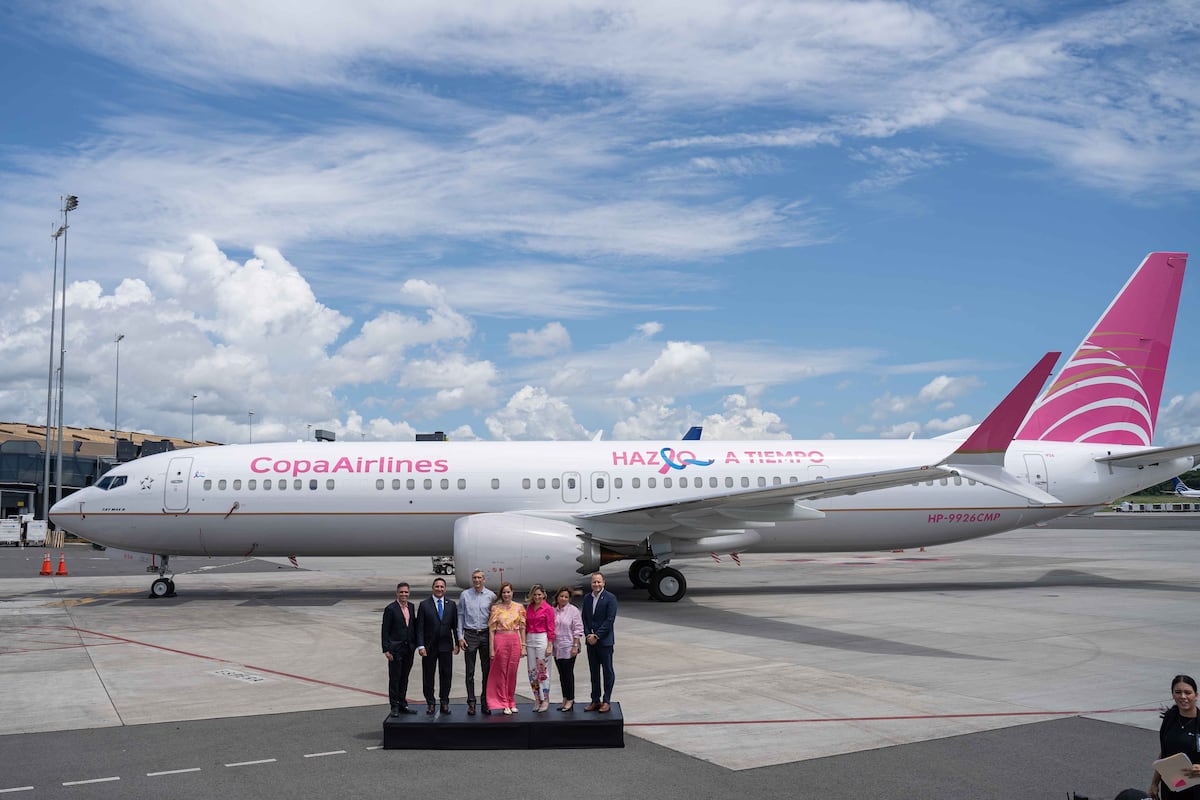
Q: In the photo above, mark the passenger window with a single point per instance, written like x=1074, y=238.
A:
x=761, y=481
x=617, y=483
x=599, y=483
x=266, y=484
x=252, y=483
x=207, y=485
x=525, y=484
x=667, y=483
x=555, y=483
x=745, y=482
x=312, y=485
x=221, y=484
x=712, y=483
x=570, y=483
x=462, y=483
x=410, y=484
x=429, y=483
x=282, y=484
x=541, y=483
x=636, y=483
x=329, y=484
x=297, y=484
x=495, y=483
x=777, y=481
x=379, y=483
x=445, y=483
x=651, y=483
x=729, y=483
x=237, y=483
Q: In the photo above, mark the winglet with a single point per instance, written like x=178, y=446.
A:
x=693, y=434
x=981, y=457
x=991, y=439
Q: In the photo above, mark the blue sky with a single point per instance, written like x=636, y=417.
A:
x=545, y=220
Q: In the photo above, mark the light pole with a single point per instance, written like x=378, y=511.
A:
x=70, y=203
x=251, y=415
x=117, y=398
x=50, y=379
x=193, y=439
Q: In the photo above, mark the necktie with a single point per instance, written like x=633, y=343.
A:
x=439, y=608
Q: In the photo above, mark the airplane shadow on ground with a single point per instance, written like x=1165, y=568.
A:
x=689, y=613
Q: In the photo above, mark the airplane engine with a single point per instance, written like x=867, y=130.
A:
x=522, y=549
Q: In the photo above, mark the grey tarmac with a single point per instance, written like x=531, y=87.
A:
x=1026, y=664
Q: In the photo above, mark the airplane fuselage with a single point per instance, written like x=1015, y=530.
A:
x=402, y=499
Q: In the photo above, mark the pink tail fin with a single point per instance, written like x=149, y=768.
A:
x=1109, y=391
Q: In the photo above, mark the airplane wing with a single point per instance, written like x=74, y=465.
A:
x=754, y=507
x=980, y=458
x=1152, y=456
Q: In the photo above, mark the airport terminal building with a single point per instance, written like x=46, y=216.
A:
x=87, y=453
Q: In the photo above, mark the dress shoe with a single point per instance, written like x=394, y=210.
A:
x=470, y=709
x=604, y=708
x=395, y=710
x=407, y=710
x=592, y=707
x=445, y=708
x=567, y=705
x=429, y=708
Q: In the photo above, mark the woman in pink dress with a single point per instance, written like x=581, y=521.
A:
x=539, y=639
x=506, y=638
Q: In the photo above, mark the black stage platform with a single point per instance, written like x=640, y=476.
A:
x=522, y=731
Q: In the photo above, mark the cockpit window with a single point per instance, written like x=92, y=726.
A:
x=111, y=482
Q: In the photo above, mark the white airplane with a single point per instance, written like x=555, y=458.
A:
x=1183, y=490
x=553, y=512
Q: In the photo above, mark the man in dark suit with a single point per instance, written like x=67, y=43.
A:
x=437, y=642
x=399, y=640
x=599, y=617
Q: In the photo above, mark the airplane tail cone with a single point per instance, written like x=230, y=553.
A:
x=62, y=564
x=46, y=568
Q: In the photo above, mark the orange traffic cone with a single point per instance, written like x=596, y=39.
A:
x=62, y=564
x=46, y=568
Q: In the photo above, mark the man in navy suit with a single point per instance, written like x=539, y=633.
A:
x=599, y=616
x=437, y=642
x=399, y=640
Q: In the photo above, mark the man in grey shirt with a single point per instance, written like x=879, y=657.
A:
x=474, y=608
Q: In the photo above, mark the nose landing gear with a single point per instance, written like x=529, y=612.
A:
x=162, y=586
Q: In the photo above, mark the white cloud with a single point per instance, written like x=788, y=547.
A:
x=950, y=424
x=680, y=365
x=650, y=329
x=740, y=420
x=550, y=340
x=944, y=387
x=901, y=430
x=531, y=413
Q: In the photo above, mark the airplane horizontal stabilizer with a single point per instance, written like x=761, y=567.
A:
x=1152, y=456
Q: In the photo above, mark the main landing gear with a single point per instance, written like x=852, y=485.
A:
x=162, y=586
x=666, y=584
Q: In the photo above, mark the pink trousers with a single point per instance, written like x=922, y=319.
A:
x=502, y=677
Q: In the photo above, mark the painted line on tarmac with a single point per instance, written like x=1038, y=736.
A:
x=93, y=780
x=172, y=772
x=329, y=753
x=252, y=763
x=893, y=718
x=17, y=789
x=219, y=660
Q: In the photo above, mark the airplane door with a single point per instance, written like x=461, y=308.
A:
x=600, y=487
x=175, y=493
x=1035, y=471
x=572, y=489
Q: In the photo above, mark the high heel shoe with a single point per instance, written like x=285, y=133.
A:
x=567, y=705
x=508, y=712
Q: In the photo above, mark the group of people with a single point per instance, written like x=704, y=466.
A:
x=496, y=632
